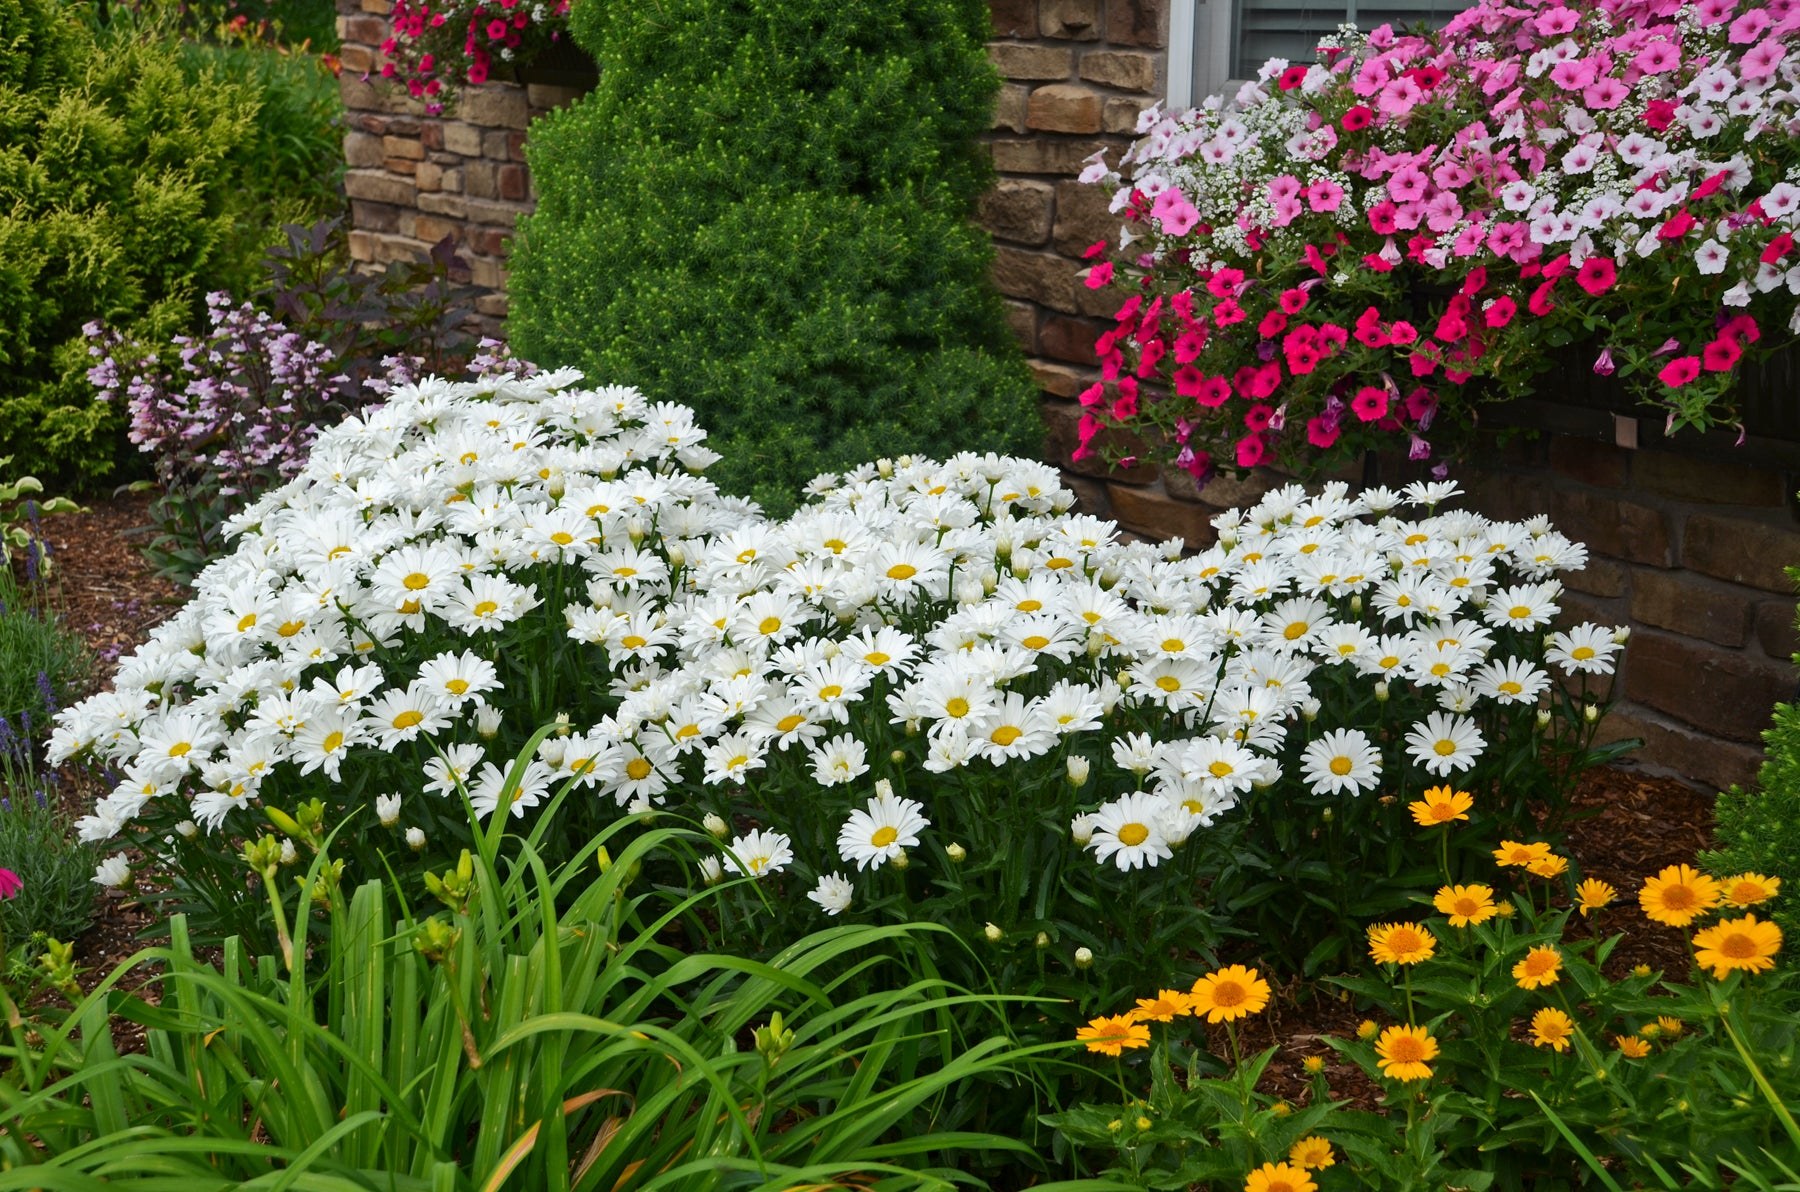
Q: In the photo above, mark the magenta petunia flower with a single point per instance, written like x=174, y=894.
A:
x=10, y=884
x=1679, y=371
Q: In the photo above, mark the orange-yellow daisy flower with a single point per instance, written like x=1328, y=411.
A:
x=1231, y=993
x=1312, y=1152
x=1548, y=865
x=1520, y=853
x=1400, y=943
x=1732, y=945
x=1748, y=889
x=1541, y=966
x=1592, y=894
x=1632, y=1046
x=1551, y=1028
x=1678, y=895
x=1441, y=805
x=1669, y=1025
x=1112, y=1035
x=1403, y=1052
x=1166, y=1006
x=1279, y=1177
x=1466, y=905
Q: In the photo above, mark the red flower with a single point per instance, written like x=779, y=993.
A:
x=1679, y=371
x=1094, y=394
x=1721, y=355
x=1257, y=416
x=1100, y=275
x=1597, y=275
x=1188, y=380
x=1214, y=392
x=1291, y=78
x=1741, y=328
x=1188, y=346
x=1294, y=301
x=1500, y=311
x=10, y=884
x=1093, y=250
x=1322, y=432
x=1228, y=314
x=1540, y=303
x=1273, y=324
x=1251, y=450
x=1659, y=114
x=1778, y=248
x=1370, y=403
x=1359, y=117
x=1678, y=225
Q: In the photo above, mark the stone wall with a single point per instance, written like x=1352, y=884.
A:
x=1687, y=552
x=414, y=178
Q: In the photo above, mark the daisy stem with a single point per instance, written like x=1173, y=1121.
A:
x=1406, y=980
x=1444, y=853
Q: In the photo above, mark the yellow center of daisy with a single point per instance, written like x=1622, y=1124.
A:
x=1005, y=735
x=632, y=641
x=1678, y=898
x=487, y=608
x=334, y=742
x=1036, y=641
x=1509, y=688
x=902, y=571
x=416, y=581
x=957, y=707
x=637, y=769
x=456, y=686
x=1582, y=653
x=408, y=718
x=562, y=538
x=1132, y=835
x=830, y=691
x=1058, y=563
x=1226, y=994
x=768, y=625
x=180, y=749
x=246, y=623
x=790, y=722
x=1169, y=683
x=1405, y=1049
x=1029, y=606
x=1466, y=907
x=409, y=607
x=290, y=628
x=1221, y=770
x=877, y=658
x=1295, y=631
x=1738, y=946
x=1340, y=766
x=1444, y=748
x=686, y=731
x=884, y=836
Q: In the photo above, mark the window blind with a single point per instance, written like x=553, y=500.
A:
x=1291, y=28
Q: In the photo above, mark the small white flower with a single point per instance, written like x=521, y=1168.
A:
x=833, y=893
x=415, y=839
x=113, y=872
x=715, y=825
x=387, y=810
x=1342, y=762
x=711, y=871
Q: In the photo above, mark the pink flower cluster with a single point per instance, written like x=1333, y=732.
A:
x=463, y=39
x=1351, y=253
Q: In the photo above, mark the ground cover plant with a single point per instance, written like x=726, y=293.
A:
x=138, y=175
x=811, y=283
x=1354, y=253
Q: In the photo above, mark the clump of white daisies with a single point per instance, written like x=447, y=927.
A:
x=930, y=661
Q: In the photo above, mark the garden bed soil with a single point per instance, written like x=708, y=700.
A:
x=1629, y=824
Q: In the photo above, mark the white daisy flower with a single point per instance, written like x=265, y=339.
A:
x=1129, y=832
x=759, y=853
x=1585, y=649
x=1341, y=762
x=1445, y=744
x=873, y=837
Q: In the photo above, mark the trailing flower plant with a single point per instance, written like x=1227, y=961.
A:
x=931, y=694
x=439, y=45
x=1509, y=1044
x=1350, y=254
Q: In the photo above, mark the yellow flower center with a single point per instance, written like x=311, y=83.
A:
x=1132, y=835
x=1058, y=563
x=632, y=641
x=1226, y=994
x=830, y=691
x=686, y=731
x=562, y=538
x=1738, y=946
x=1029, y=605
x=957, y=707
x=637, y=769
x=181, y=749
x=408, y=718
x=884, y=836
x=1519, y=612
x=1510, y=688
x=246, y=623
x=1444, y=748
x=1296, y=630
x=1036, y=641
x=486, y=608
x=334, y=742
x=1340, y=766
x=1582, y=653
x=902, y=571
x=1169, y=683
x=1221, y=770
x=456, y=686
x=1005, y=735
x=417, y=581
x=768, y=625
x=790, y=722
x=877, y=658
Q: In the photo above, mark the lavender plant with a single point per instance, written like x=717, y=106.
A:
x=231, y=413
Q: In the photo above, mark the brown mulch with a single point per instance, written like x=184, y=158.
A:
x=1630, y=824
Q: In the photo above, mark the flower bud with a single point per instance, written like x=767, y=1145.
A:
x=956, y=853
x=1590, y=713
x=711, y=871
x=1084, y=958
x=487, y=721
x=715, y=826
x=1081, y=829
x=1143, y=1123
x=1381, y=691
x=1621, y=635
x=187, y=829
x=1543, y=718
x=1042, y=940
x=991, y=933
x=1078, y=768
x=387, y=810
x=1309, y=709
x=1356, y=604
x=900, y=860
x=289, y=854
x=415, y=839
x=898, y=756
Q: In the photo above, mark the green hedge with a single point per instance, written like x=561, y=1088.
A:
x=136, y=174
x=763, y=212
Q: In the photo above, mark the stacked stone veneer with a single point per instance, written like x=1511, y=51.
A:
x=414, y=178
x=1689, y=553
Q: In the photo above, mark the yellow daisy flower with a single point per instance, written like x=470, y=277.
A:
x=1279, y=1177
x=1678, y=895
x=1748, y=889
x=1112, y=1035
x=1403, y=1052
x=1593, y=894
x=1400, y=943
x=1466, y=905
x=1549, y=865
x=1166, y=1006
x=1551, y=1028
x=1229, y=994
x=1737, y=945
x=1541, y=966
x=1441, y=805
x=1312, y=1153
x=1632, y=1046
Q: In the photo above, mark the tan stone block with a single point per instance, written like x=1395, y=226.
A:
x=545, y=97
x=1019, y=210
x=1035, y=276
x=1031, y=62
x=432, y=229
x=495, y=105
x=1059, y=380
x=1745, y=550
x=1014, y=18
x=494, y=146
x=1076, y=20
x=380, y=187
x=450, y=206
x=358, y=59
x=1150, y=511
x=1021, y=320
x=487, y=273
x=362, y=151
x=492, y=305
x=481, y=180
x=1039, y=155
x=1120, y=115
x=1693, y=607
x=494, y=213
x=374, y=217
x=1725, y=693
x=1128, y=70
x=364, y=28
x=429, y=176
x=1138, y=23
x=1064, y=107
x=400, y=165
x=462, y=138
x=1009, y=107
x=1082, y=218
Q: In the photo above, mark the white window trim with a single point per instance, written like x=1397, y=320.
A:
x=1200, y=65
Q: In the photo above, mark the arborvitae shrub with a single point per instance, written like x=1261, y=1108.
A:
x=135, y=176
x=1758, y=830
x=763, y=212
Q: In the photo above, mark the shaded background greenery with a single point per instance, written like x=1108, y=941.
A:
x=763, y=212
x=144, y=162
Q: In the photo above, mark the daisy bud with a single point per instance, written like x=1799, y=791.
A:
x=1312, y=1065
x=1381, y=691
x=1078, y=770
x=884, y=789
x=711, y=871
x=1366, y=1029
x=969, y=591
x=387, y=809
x=1228, y=539
x=1084, y=958
x=289, y=854
x=1543, y=718
x=990, y=580
x=1309, y=709
x=1115, y=1125
x=897, y=756
x=1096, y=645
x=1062, y=501
x=562, y=724
x=899, y=860
x=676, y=555
x=1622, y=634
x=957, y=853
x=552, y=752
x=1042, y=940
x=415, y=839
x=884, y=468
x=1356, y=605
x=715, y=826
x=487, y=721
x=1143, y=1123
x=556, y=484
x=1172, y=548
x=1081, y=829
x=187, y=829
x=1590, y=713
x=992, y=933
x=912, y=726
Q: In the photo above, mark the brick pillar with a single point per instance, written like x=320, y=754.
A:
x=414, y=178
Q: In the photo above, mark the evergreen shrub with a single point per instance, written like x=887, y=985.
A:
x=763, y=212
x=136, y=175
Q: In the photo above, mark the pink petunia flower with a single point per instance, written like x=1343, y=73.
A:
x=10, y=884
x=1370, y=403
x=1597, y=275
x=1679, y=371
